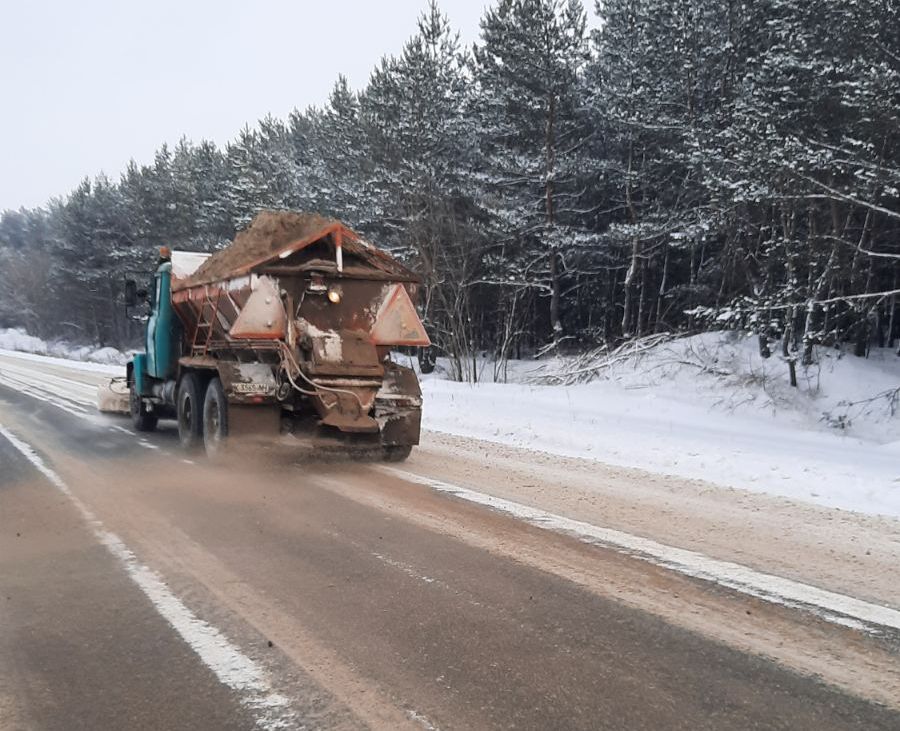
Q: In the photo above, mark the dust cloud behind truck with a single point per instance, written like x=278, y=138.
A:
x=285, y=335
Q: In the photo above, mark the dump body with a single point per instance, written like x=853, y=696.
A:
x=296, y=320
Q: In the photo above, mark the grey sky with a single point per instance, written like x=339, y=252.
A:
x=87, y=85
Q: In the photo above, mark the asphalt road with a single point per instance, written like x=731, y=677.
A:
x=143, y=590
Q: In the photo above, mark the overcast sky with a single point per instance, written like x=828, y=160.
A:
x=87, y=85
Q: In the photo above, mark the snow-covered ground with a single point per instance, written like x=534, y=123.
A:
x=674, y=411
x=706, y=407
x=18, y=340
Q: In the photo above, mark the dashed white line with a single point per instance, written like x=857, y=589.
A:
x=231, y=666
x=405, y=568
x=831, y=606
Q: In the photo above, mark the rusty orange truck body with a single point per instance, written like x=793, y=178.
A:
x=284, y=335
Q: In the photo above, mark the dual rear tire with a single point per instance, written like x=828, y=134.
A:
x=189, y=411
x=396, y=453
x=215, y=419
x=202, y=413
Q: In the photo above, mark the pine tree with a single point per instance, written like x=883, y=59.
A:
x=421, y=156
x=339, y=169
x=527, y=70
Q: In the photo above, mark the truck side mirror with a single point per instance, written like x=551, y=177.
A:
x=131, y=293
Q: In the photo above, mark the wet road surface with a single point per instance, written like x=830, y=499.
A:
x=140, y=589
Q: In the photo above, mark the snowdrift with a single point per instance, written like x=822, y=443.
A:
x=705, y=407
x=18, y=340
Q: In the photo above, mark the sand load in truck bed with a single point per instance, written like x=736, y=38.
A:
x=297, y=278
x=275, y=235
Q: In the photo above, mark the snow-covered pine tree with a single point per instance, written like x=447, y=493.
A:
x=26, y=262
x=339, y=167
x=246, y=188
x=652, y=96
x=527, y=70
x=419, y=187
x=207, y=170
x=808, y=160
x=90, y=255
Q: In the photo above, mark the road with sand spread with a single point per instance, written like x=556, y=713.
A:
x=473, y=587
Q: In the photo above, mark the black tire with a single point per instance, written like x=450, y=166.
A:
x=215, y=420
x=396, y=452
x=142, y=419
x=427, y=359
x=189, y=411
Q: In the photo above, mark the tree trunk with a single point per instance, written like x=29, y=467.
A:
x=629, y=286
x=892, y=317
x=555, y=323
x=550, y=160
x=662, y=291
x=787, y=349
x=809, y=339
x=635, y=251
x=639, y=330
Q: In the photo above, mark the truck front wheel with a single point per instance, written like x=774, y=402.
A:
x=190, y=411
x=215, y=419
x=142, y=419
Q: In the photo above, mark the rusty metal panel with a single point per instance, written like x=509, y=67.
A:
x=397, y=322
x=263, y=316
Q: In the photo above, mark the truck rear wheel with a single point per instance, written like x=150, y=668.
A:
x=189, y=405
x=142, y=419
x=396, y=452
x=215, y=419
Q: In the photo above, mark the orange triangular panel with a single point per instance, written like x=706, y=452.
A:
x=397, y=322
x=263, y=317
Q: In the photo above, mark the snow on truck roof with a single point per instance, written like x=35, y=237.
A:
x=275, y=235
x=185, y=263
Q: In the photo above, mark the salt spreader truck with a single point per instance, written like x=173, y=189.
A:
x=284, y=336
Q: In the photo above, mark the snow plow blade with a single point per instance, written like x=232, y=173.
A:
x=112, y=397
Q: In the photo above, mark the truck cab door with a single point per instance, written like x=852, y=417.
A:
x=162, y=328
x=152, y=325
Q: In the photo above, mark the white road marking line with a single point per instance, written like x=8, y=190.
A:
x=230, y=665
x=404, y=567
x=413, y=574
x=22, y=387
x=421, y=720
x=47, y=397
x=72, y=390
x=831, y=606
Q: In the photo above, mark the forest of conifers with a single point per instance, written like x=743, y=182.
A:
x=691, y=165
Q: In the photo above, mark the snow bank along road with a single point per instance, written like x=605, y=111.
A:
x=476, y=587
